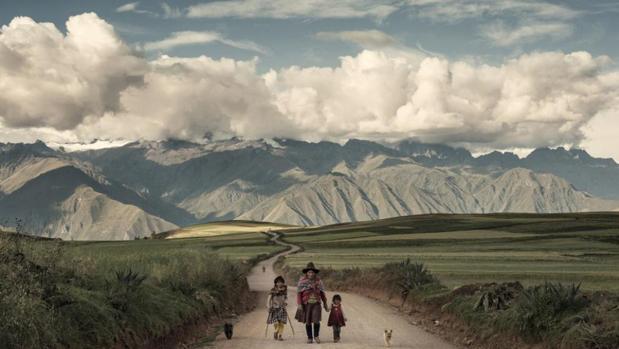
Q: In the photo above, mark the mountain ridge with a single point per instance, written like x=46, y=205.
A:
x=297, y=182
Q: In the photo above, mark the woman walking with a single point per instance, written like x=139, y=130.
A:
x=310, y=294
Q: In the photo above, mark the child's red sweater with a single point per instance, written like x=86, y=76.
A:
x=336, y=316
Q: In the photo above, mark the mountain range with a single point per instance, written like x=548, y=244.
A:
x=148, y=186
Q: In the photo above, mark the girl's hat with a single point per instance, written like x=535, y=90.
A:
x=279, y=279
x=310, y=266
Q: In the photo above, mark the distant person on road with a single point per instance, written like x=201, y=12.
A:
x=277, y=302
x=310, y=294
x=264, y=269
x=336, y=317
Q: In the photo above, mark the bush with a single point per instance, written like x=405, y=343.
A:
x=124, y=289
x=538, y=312
x=408, y=277
x=595, y=328
x=498, y=296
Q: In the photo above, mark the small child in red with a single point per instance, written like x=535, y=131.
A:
x=336, y=317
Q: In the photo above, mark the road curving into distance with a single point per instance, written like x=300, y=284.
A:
x=367, y=319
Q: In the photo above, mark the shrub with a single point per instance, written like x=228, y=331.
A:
x=408, y=277
x=539, y=310
x=124, y=289
x=595, y=328
x=498, y=296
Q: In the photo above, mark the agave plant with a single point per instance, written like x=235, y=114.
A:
x=124, y=287
x=498, y=297
x=129, y=279
x=540, y=308
x=410, y=276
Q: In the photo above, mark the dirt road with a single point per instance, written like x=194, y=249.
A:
x=366, y=321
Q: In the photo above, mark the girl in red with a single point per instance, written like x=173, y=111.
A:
x=336, y=318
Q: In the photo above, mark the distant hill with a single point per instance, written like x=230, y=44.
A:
x=58, y=196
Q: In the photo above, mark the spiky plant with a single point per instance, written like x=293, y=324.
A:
x=409, y=276
x=123, y=289
x=539, y=309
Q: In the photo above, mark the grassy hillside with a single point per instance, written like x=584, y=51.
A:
x=65, y=294
x=237, y=246
x=464, y=249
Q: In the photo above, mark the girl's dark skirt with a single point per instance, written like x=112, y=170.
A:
x=277, y=315
x=309, y=313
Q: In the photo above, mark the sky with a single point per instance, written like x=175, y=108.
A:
x=486, y=75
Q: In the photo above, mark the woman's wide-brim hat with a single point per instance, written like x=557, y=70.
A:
x=310, y=266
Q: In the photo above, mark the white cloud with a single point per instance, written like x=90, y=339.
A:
x=170, y=12
x=87, y=84
x=540, y=99
x=185, y=38
x=601, y=135
x=439, y=10
x=363, y=38
x=133, y=7
x=454, y=10
x=188, y=97
x=56, y=80
x=294, y=9
x=130, y=7
x=503, y=35
x=534, y=20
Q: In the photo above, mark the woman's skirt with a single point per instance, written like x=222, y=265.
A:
x=277, y=315
x=309, y=313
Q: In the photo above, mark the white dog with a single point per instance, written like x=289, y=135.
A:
x=387, y=336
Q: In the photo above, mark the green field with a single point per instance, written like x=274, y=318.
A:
x=237, y=246
x=464, y=249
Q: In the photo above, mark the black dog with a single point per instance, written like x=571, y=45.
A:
x=228, y=330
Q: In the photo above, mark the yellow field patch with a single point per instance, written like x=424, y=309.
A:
x=225, y=228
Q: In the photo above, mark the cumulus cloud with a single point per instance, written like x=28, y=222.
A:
x=601, y=132
x=535, y=100
x=88, y=84
x=294, y=9
x=188, y=97
x=185, y=38
x=502, y=35
x=56, y=80
x=363, y=38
